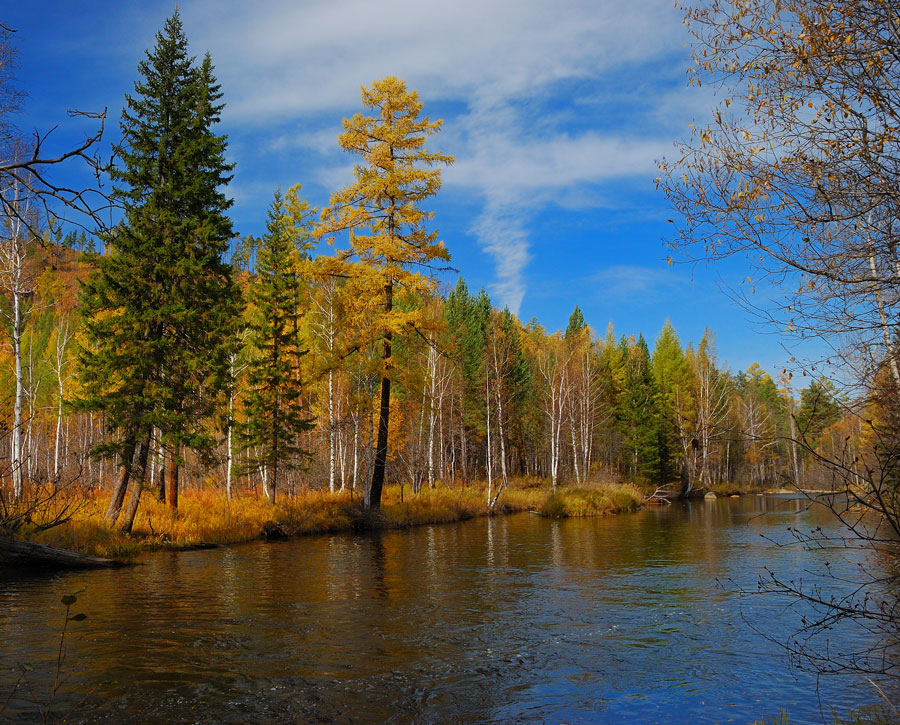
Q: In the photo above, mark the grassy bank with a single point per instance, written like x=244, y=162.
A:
x=206, y=517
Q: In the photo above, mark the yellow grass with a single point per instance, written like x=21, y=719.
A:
x=599, y=501
x=206, y=517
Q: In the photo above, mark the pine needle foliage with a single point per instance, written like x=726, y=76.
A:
x=161, y=305
x=275, y=417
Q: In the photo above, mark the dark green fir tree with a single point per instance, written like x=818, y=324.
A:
x=468, y=317
x=275, y=416
x=638, y=417
x=162, y=304
x=576, y=323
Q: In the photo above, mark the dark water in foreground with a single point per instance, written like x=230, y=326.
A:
x=516, y=618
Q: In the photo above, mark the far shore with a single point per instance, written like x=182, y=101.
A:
x=206, y=518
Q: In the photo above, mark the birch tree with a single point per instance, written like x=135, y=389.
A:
x=19, y=283
x=553, y=364
x=712, y=405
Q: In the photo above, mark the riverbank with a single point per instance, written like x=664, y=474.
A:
x=207, y=518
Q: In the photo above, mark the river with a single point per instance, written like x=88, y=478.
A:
x=630, y=618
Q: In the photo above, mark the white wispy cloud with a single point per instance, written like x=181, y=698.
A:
x=497, y=71
x=640, y=284
x=283, y=57
x=516, y=179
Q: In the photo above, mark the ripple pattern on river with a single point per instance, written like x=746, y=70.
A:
x=519, y=618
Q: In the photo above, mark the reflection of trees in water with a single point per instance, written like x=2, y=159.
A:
x=844, y=602
x=476, y=621
x=378, y=558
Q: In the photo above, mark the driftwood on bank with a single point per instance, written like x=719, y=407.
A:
x=660, y=497
x=24, y=554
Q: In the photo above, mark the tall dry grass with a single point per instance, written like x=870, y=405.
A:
x=206, y=517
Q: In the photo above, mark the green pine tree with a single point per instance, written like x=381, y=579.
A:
x=820, y=406
x=637, y=416
x=576, y=323
x=162, y=304
x=275, y=416
x=468, y=317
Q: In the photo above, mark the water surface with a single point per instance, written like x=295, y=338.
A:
x=629, y=618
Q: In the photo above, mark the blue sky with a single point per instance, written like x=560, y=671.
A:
x=556, y=114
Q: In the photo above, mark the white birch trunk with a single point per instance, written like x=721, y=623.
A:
x=16, y=439
x=331, y=441
x=487, y=398
x=229, y=452
x=432, y=395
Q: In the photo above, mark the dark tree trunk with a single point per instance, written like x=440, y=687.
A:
x=381, y=446
x=273, y=482
x=171, y=477
x=26, y=556
x=161, y=483
x=118, y=494
x=137, y=487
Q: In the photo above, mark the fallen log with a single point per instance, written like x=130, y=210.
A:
x=22, y=554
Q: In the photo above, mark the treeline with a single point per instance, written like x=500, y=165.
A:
x=163, y=362
x=478, y=394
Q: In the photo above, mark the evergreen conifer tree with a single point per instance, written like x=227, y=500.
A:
x=275, y=417
x=637, y=415
x=161, y=305
x=672, y=375
x=576, y=323
x=819, y=408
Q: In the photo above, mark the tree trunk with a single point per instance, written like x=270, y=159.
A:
x=118, y=494
x=574, y=447
x=355, y=451
x=172, y=476
x=794, y=459
x=504, y=476
x=432, y=371
x=331, y=441
x=487, y=403
x=136, y=488
x=384, y=413
x=26, y=555
x=16, y=442
x=229, y=455
x=58, y=437
x=273, y=480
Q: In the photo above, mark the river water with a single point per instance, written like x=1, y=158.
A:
x=630, y=618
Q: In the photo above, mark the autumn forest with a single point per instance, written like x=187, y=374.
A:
x=170, y=383
x=145, y=355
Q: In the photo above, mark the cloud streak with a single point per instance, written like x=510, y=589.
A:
x=284, y=58
x=641, y=285
x=517, y=178
x=499, y=72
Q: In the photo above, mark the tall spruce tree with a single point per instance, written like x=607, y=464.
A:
x=576, y=323
x=275, y=417
x=162, y=303
x=644, y=454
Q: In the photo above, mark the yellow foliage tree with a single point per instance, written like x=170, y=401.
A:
x=390, y=248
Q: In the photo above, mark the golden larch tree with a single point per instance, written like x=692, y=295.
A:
x=390, y=250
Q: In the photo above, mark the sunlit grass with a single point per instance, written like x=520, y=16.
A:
x=208, y=518
x=599, y=501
